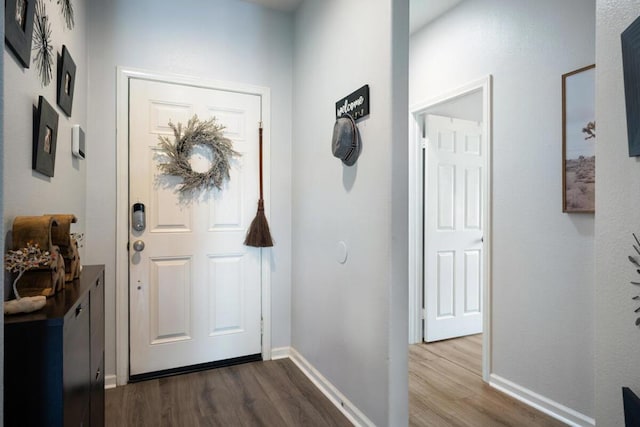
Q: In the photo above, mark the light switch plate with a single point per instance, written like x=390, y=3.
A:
x=77, y=142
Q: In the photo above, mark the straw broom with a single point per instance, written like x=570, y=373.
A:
x=259, y=235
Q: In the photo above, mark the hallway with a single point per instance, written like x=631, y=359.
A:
x=446, y=389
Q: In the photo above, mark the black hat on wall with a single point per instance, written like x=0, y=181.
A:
x=346, y=144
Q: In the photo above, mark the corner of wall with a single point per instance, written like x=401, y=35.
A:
x=399, y=291
x=617, y=339
x=2, y=210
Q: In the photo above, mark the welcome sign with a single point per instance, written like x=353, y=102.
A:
x=356, y=104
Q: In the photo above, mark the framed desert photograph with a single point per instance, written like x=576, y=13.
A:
x=578, y=140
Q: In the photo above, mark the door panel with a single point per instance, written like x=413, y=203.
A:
x=195, y=288
x=170, y=297
x=446, y=284
x=453, y=228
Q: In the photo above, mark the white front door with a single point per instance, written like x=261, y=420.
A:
x=455, y=161
x=194, y=290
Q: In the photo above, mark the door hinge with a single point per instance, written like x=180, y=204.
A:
x=127, y=246
x=424, y=313
x=424, y=142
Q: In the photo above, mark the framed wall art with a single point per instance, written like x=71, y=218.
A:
x=578, y=140
x=630, y=39
x=44, y=138
x=18, y=28
x=66, y=81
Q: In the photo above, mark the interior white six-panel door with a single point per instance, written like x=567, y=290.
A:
x=195, y=294
x=453, y=228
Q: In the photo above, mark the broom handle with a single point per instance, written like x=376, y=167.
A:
x=260, y=144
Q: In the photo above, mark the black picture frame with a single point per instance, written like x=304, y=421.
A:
x=18, y=28
x=45, y=138
x=630, y=39
x=66, y=81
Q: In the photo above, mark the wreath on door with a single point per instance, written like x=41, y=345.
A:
x=197, y=133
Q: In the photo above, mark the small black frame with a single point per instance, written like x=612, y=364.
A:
x=18, y=28
x=630, y=39
x=66, y=80
x=45, y=136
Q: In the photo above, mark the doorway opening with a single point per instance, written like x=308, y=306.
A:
x=450, y=218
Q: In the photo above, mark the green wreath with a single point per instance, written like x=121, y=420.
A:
x=208, y=134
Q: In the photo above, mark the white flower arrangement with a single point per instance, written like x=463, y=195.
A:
x=25, y=259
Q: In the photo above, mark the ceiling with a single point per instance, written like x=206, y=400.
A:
x=421, y=11
x=285, y=5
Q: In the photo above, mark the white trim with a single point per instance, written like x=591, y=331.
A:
x=416, y=204
x=416, y=191
x=349, y=410
x=541, y=403
x=109, y=382
x=122, y=202
x=280, y=353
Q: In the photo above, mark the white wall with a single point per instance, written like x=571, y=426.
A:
x=27, y=192
x=218, y=39
x=543, y=260
x=349, y=320
x=617, y=206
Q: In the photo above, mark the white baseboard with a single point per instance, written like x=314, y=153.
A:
x=109, y=381
x=280, y=353
x=541, y=403
x=333, y=394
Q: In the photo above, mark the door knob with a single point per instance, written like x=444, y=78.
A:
x=138, y=246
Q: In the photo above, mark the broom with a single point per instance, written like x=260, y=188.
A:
x=259, y=235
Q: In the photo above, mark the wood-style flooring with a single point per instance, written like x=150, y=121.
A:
x=446, y=389
x=273, y=393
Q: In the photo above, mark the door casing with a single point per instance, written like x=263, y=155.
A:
x=416, y=205
x=124, y=75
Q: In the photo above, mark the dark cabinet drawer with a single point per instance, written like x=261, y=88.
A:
x=97, y=321
x=76, y=364
x=97, y=395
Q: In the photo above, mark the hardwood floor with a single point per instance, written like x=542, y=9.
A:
x=273, y=393
x=446, y=389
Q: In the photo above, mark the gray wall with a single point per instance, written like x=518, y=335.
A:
x=617, y=205
x=27, y=192
x=215, y=40
x=349, y=320
x=543, y=260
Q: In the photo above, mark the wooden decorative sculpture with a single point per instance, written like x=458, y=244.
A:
x=47, y=279
x=61, y=237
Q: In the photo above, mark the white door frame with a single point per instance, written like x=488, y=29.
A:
x=416, y=204
x=124, y=75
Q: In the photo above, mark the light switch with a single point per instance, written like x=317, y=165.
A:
x=342, y=252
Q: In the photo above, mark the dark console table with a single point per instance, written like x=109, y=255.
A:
x=54, y=358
